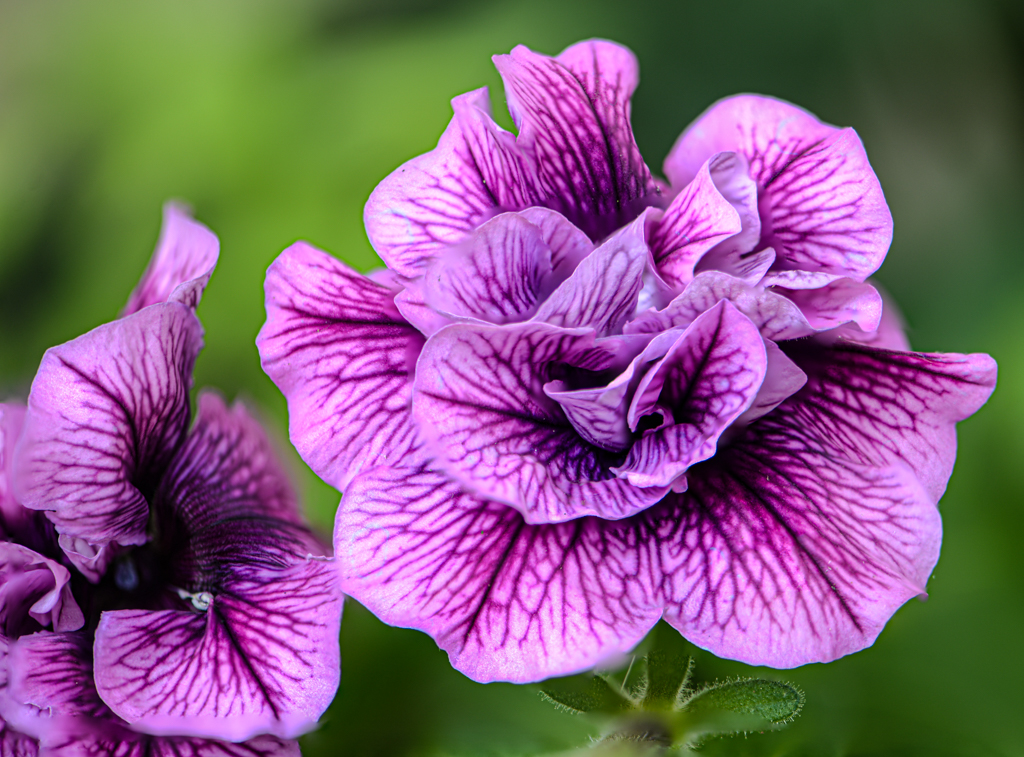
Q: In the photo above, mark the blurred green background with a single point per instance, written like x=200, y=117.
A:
x=275, y=119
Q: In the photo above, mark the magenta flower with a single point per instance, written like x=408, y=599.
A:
x=208, y=612
x=580, y=400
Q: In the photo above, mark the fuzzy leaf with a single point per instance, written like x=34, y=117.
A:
x=592, y=695
x=667, y=674
x=774, y=701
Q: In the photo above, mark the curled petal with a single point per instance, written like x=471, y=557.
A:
x=479, y=397
x=411, y=303
x=820, y=203
x=599, y=413
x=844, y=301
x=705, y=381
x=603, y=291
x=106, y=413
x=567, y=243
x=262, y=658
x=33, y=586
x=508, y=601
x=698, y=218
x=783, y=378
x=180, y=267
x=498, y=274
x=776, y=316
x=430, y=202
x=890, y=334
x=342, y=355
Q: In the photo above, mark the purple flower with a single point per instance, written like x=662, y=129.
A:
x=208, y=612
x=580, y=399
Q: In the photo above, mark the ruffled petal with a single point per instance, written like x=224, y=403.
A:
x=706, y=380
x=342, y=355
x=797, y=542
x=261, y=657
x=33, y=586
x=890, y=334
x=573, y=119
x=603, y=291
x=698, y=219
x=106, y=413
x=479, y=398
x=508, y=601
x=820, y=203
x=429, y=202
x=777, y=316
x=498, y=274
x=181, y=266
x=841, y=302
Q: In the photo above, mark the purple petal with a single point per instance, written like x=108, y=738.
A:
x=498, y=274
x=777, y=317
x=783, y=378
x=698, y=219
x=105, y=414
x=119, y=742
x=429, y=202
x=342, y=355
x=411, y=303
x=180, y=267
x=890, y=334
x=12, y=419
x=841, y=302
x=479, y=397
x=602, y=292
x=706, y=380
x=567, y=243
x=33, y=586
x=821, y=205
x=262, y=658
x=14, y=744
x=736, y=254
x=230, y=500
x=506, y=600
x=609, y=74
x=798, y=542
x=50, y=684
x=574, y=133
x=51, y=678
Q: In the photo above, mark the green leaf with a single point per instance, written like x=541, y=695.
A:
x=592, y=695
x=774, y=701
x=667, y=676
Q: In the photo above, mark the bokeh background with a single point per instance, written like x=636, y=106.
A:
x=276, y=118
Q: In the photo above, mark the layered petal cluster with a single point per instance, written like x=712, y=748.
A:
x=581, y=399
x=160, y=592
